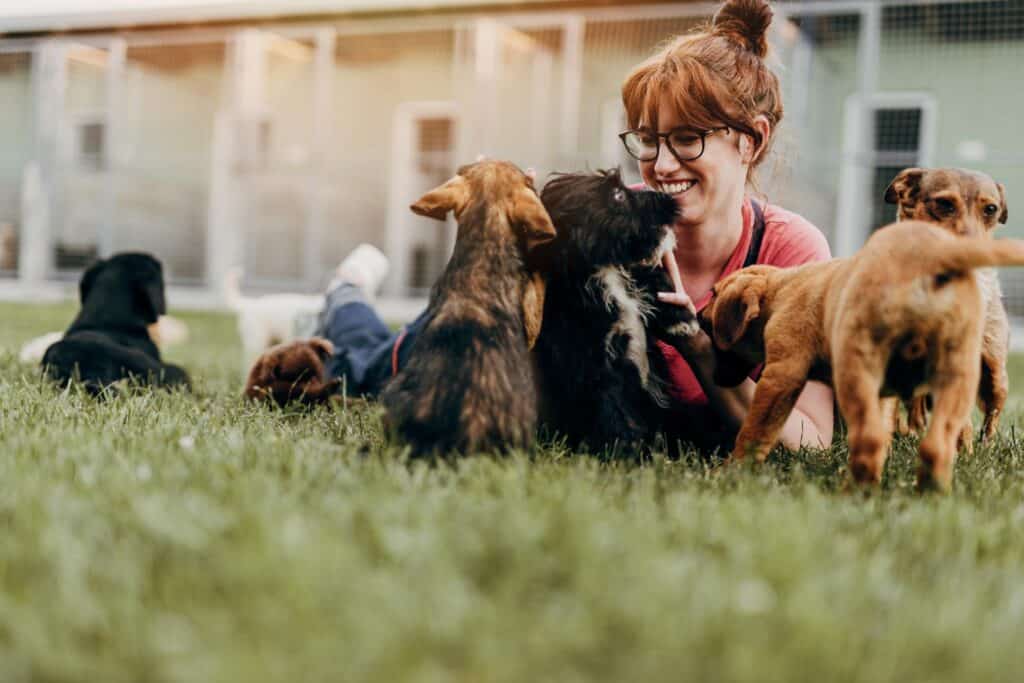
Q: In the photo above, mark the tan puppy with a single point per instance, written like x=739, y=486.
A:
x=901, y=317
x=293, y=372
x=971, y=204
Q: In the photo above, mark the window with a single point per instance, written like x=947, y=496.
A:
x=253, y=137
x=91, y=145
x=902, y=133
x=897, y=146
x=435, y=146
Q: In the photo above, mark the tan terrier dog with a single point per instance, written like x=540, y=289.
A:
x=902, y=317
x=971, y=204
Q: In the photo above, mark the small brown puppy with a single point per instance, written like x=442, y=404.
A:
x=900, y=318
x=293, y=372
x=971, y=204
x=468, y=384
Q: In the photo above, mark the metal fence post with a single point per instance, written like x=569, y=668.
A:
x=852, y=227
x=41, y=184
x=114, y=77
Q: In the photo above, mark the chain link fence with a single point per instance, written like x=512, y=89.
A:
x=280, y=147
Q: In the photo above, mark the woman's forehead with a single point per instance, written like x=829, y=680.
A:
x=665, y=113
x=660, y=112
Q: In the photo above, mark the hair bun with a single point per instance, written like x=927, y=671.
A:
x=744, y=22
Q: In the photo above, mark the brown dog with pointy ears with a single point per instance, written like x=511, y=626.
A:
x=971, y=204
x=902, y=317
x=293, y=372
x=468, y=384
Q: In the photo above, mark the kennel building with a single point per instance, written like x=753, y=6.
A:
x=279, y=134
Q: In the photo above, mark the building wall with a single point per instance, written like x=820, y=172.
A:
x=311, y=162
x=16, y=133
x=968, y=82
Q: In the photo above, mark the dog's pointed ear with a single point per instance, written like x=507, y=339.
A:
x=1004, y=214
x=735, y=307
x=533, y=307
x=89, y=279
x=452, y=196
x=323, y=347
x=904, y=186
x=532, y=220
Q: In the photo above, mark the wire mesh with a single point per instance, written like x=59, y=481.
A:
x=168, y=100
x=15, y=140
x=313, y=160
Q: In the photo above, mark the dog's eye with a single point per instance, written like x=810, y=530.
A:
x=618, y=195
x=945, y=206
x=991, y=209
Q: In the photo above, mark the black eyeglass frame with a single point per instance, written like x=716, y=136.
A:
x=703, y=134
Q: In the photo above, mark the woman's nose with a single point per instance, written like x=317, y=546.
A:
x=666, y=163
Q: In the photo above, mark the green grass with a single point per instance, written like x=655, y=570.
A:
x=176, y=537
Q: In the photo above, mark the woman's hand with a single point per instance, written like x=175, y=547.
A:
x=691, y=344
x=678, y=297
x=810, y=423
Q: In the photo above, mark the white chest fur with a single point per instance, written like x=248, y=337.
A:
x=620, y=295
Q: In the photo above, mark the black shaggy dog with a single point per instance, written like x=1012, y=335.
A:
x=602, y=377
x=109, y=341
x=468, y=383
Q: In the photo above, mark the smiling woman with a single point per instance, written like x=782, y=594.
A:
x=702, y=113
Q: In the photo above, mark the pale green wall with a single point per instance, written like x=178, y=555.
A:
x=977, y=93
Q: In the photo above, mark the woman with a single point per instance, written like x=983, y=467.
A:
x=702, y=114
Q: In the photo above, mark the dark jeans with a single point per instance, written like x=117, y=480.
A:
x=364, y=348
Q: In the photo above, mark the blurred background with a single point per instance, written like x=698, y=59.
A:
x=278, y=134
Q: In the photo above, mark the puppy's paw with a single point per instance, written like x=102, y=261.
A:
x=686, y=328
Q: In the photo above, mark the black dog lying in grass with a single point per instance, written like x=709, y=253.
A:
x=109, y=340
x=602, y=376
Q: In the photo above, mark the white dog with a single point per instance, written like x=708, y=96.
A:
x=264, y=321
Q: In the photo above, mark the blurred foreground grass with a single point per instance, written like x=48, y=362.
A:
x=177, y=537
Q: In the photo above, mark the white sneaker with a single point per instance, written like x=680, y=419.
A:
x=366, y=266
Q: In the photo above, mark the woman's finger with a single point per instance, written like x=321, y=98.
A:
x=678, y=299
x=669, y=262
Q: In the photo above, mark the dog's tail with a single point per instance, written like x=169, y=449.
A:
x=231, y=288
x=964, y=253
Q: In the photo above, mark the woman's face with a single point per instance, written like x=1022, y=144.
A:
x=708, y=188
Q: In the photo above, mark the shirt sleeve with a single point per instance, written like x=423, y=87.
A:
x=791, y=240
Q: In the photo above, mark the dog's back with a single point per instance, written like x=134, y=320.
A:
x=466, y=387
x=98, y=360
x=931, y=302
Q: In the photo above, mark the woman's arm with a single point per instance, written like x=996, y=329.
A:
x=810, y=423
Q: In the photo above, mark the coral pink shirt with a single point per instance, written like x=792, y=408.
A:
x=789, y=240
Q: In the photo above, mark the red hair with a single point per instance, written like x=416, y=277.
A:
x=714, y=76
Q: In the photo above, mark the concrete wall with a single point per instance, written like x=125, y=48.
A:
x=154, y=192
x=16, y=133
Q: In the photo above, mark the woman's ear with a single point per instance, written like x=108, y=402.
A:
x=750, y=151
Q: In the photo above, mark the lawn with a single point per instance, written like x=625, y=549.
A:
x=176, y=537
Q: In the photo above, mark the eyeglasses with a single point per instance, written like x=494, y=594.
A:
x=686, y=144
